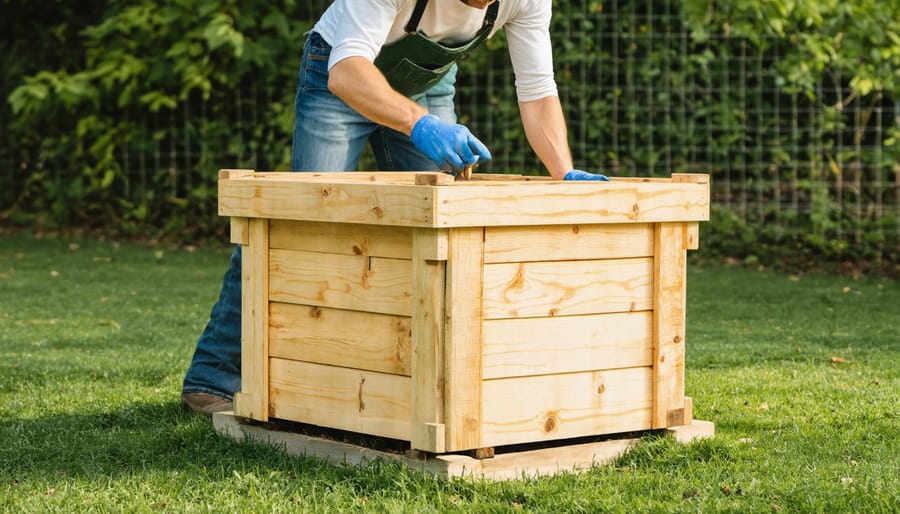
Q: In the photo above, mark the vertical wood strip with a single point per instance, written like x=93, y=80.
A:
x=428, y=285
x=463, y=345
x=670, y=260
x=254, y=399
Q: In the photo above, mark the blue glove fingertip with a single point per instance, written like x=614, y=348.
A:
x=583, y=175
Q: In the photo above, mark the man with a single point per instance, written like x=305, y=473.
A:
x=382, y=72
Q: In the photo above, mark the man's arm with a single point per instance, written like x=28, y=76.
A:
x=545, y=128
x=358, y=82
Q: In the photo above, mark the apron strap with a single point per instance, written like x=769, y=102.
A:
x=416, y=17
x=413, y=24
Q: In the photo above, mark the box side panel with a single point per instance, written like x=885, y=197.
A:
x=342, y=398
x=550, y=407
x=354, y=339
x=340, y=326
x=568, y=331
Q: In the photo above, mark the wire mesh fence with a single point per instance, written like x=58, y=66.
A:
x=642, y=97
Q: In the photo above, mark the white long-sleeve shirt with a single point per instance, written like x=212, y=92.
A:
x=361, y=27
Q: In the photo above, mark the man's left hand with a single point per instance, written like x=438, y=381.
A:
x=583, y=175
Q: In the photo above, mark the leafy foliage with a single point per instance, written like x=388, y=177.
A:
x=121, y=112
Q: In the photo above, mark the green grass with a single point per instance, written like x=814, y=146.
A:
x=800, y=374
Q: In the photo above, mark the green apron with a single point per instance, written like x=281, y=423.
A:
x=414, y=63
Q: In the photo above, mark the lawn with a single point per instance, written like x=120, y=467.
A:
x=800, y=373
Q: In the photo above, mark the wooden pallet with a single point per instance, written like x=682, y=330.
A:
x=504, y=465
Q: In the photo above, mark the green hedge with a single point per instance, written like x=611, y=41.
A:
x=119, y=114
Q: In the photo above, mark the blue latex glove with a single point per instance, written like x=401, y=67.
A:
x=583, y=175
x=451, y=145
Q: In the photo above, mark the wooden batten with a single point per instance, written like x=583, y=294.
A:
x=427, y=428
x=462, y=339
x=240, y=231
x=253, y=401
x=669, y=299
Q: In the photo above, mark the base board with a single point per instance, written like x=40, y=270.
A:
x=503, y=466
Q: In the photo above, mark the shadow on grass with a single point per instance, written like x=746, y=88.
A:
x=114, y=442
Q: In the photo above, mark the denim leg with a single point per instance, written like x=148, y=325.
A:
x=328, y=134
x=216, y=366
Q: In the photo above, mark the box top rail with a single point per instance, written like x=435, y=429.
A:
x=437, y=200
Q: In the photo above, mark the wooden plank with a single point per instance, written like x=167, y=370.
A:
x=331, y=197
x=240, y=231
x=354, y=339
x=380, y=177
x=691, y=235
x=342, y=398
x=567, y=242
x=254, y=401
x=536, y=346
x=462, y=340
x=355, y=282
x=552, y=203
x=343, y=238
x=433, y=179
x=550, y=407
x=289, y=196
x=670, y=265
x=530, y=463
x=564, y=288
x=427, y=429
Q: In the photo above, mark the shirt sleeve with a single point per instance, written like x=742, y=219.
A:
x=531, y=51
x=361, y=27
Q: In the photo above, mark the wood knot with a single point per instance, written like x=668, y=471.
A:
x=676, y=339
x=357, y=250
x=550, y=423
x=315, y=312
x=326, y=192
x=601, y=388
x=575, y=229
x=379, y=212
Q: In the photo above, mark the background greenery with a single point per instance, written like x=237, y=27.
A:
x=800, y=373
x=120, y=112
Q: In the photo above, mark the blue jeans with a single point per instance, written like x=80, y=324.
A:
x=328, y=136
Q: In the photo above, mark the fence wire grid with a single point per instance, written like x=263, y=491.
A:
x=648, y=101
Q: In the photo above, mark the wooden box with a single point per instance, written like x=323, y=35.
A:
x=463, y=315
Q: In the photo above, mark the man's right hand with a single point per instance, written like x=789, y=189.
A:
x=451, y=145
